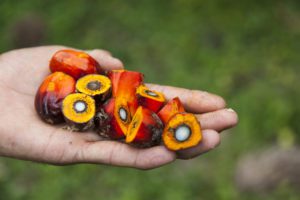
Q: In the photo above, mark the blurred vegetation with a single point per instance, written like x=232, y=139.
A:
x=246, y=51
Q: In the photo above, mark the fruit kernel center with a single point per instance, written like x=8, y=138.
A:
x=151, y=93
x=79, y=106
x=182, y=133
x=123, y=114
x=94, y=85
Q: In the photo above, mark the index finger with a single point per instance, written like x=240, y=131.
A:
x=194, y=101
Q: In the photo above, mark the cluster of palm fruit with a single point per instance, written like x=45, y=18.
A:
x=115, y=103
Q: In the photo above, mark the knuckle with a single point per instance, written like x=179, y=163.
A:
x=100, y=53
x=220, y=101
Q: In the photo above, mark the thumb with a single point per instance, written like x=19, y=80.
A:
x=105, y=59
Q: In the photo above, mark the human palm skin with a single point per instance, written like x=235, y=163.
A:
x=24, y=136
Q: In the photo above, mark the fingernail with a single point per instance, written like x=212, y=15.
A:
x=230, y=110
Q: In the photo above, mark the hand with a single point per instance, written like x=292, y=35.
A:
x=23, y=135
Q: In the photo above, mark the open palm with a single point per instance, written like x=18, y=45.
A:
x=24, y=136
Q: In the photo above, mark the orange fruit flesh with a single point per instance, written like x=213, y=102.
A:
x=122, y=114
x=134, y=126
x=93, y=84
x=182, y=131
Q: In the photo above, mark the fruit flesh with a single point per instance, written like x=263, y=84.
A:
x=182, y=131
x=122, y=113
x=94, y=85
x=79, y=108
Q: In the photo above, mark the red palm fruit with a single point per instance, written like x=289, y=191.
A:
x=145, y=129
x=128, y=83
x=114, y=76
x=74, y=63
x=150, y=99
x=170, y=109
x=124, y=85
x=182, y=131
x=49, y=97
x=106, y=122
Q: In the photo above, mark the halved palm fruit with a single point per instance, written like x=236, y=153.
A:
x=79, y=111
x=114, y=76
x=145, y=129
x=150, y=99
x=122, y=113
x=125, y=83
x=95, y=85
x=182, y=131
x=106, y=121
x=49, y=97
x=74, y=63
x=128, y=83
x=170, y=109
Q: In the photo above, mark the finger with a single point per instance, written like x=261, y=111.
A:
x=194, y=101
x=218, y=120
x=210, y=140
x=106, y=61
x=119, y=154
x=89, y=136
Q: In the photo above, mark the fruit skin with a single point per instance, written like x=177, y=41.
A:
x=149, y=131
x=49, y=97
x=124, y=85
x=106, y=122
x=182, y=119
x=114, y=76
x=150, y=102
x=74, y=63
x=173, y=107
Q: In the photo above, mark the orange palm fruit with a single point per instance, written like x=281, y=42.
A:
x=106, y=120
x=49, y=97
x=150, y=99
x=173, y=107
x=124, y=85
x=74, y=63
x=114, y=76
x=79, y=111
x=94, y=85
x=145, y=129
x=182, y=131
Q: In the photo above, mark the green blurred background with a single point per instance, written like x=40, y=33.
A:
x=247, y=51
